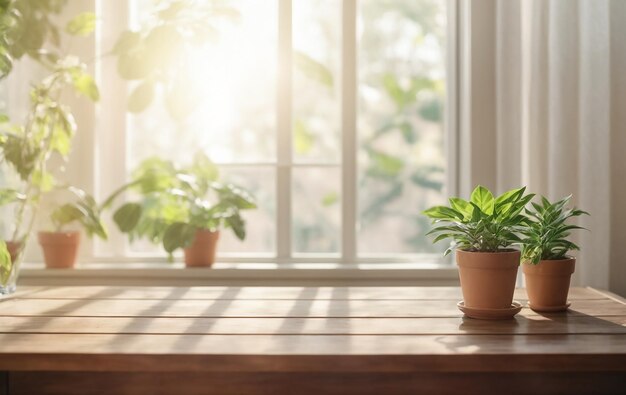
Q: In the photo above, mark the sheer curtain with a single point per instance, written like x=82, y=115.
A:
x=560, y=119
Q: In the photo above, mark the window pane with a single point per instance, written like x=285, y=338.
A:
x=232, y=83
x=316, y=65
x=401, y=132
x=316, y=209
x=232, y=88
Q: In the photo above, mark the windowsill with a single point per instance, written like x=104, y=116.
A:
x=269, y=274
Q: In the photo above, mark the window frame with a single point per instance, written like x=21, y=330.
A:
x=111, y=124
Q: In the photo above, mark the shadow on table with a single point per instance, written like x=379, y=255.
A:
x=567, y=322
x=65, y=310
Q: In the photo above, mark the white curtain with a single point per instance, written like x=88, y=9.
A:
x=561, y=118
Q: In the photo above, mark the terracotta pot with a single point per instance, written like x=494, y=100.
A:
x=201, y=253
x=14, y=247
x=547, y=283
x=60, y=249
x=488, y=278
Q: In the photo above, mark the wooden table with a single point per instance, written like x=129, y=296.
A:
x=105, y=340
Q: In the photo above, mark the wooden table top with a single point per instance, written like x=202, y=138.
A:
x=300, y=329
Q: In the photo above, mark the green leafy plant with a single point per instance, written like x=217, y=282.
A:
x=484, y=223
x=175, y=202
x=547, y=231
x=28, y=28
x=84, y=210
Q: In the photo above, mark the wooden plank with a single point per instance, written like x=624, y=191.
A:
x=609, y=295
x=266, y=293
x=275, y=308
x=564, y=324
x=515, y=383
x=312, y=353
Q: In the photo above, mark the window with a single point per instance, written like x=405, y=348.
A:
x=331, y=112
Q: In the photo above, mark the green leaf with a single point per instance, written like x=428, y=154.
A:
x=22, y=153
x=443, y=212
x=82, y=25
x=238, y=225
x=432, y=110
x=4, y=5
x=393, y=89
x=66, y=214
x=10, y=196
x=141, y=97
x=178, y=235
x=43, y=180
x=155, y=174
x=313, y=69
x=408, y=132
x=507, y=197
x=234, y=196
x=5, y=262
x=204, y=170
x=85, y=85
x=483, y=198
x=60, y=141
x=330, y=199
x=428, y=177
x=384, y=165
x=462, y=206
x=443, y=236
x=127, y=217
x=6, y=65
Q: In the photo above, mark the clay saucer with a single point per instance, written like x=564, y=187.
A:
x=550, y=309
x=490, y=314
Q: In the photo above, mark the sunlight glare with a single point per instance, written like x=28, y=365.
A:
x=227, y=72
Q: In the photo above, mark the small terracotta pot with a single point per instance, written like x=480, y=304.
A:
x=201, y=253
x=488, y=278
x=15, y=248
x=547, y=283
x=60, y=249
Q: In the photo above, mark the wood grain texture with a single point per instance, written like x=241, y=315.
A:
x=314, y=326
x=609, y=295
x=250, y=352
x=89, y=383
x=273, y=308
x=267, y=293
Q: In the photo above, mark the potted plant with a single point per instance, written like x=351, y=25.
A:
x=60, y=246
x=547, y=266
x=483, y=231
x=183, y=208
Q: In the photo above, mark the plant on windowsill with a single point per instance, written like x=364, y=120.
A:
x=39, y=146
x=182, y=208
x=545, y=246
x=60, y=246
x=483, y=231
